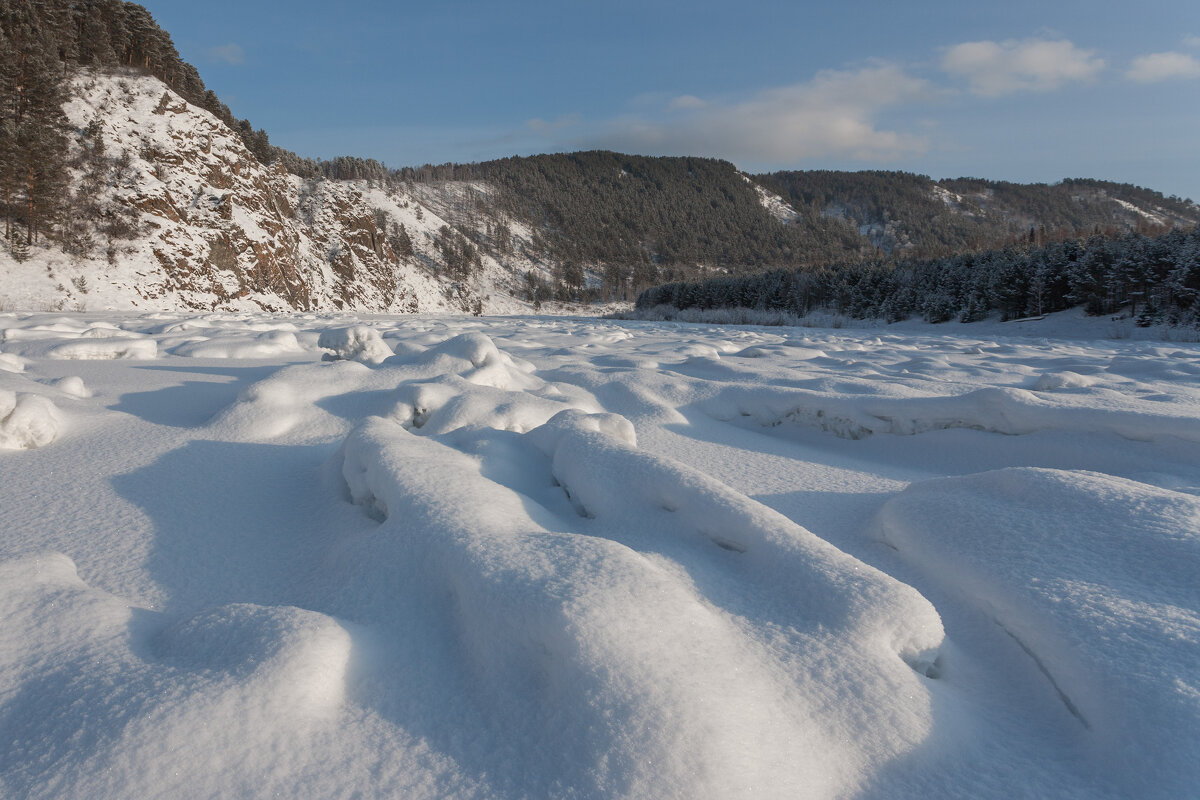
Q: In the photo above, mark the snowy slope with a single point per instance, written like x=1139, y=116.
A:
x=247, y=555
x=211, y=228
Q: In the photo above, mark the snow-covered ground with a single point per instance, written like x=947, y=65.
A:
x=419, y=557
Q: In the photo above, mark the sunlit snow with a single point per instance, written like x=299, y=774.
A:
x=332, y=556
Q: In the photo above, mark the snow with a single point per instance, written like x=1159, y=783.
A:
x=11, y=363
x=775, y=204
x=357, y=343
x=1146, y=215
x=1095, y=577
x=348, y=555
x=951, y=199
x=258, y=345
x=27, y=421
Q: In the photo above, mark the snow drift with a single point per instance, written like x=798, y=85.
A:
x=477, y=558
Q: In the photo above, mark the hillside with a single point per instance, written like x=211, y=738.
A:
x=603, y=207
x=124, y=182
x=172, y=211
x=908, y=215
x=653, y=220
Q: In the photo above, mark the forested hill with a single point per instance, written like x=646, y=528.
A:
x=604, y=207
x=913, y=216
x=671, y=214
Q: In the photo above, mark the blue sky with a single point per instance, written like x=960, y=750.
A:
x=1021, y=91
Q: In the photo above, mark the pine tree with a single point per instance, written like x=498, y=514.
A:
x=113, y=12
x=41, y=133
x=8, y=130
x=19, y=249
x=58, y=31
x=400, y=240
x=95, y=46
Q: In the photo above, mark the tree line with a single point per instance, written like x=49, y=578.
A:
x=1151, y=278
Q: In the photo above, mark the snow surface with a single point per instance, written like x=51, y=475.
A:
x=331, y=556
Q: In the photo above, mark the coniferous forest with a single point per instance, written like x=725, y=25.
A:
x=1152, y=278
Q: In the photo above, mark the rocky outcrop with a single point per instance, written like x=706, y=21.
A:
x=209, y=227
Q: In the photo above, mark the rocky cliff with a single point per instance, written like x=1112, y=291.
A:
x=175, y=213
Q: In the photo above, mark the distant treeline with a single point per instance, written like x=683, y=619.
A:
x=1154, y=278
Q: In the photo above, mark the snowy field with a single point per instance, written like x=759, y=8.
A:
x=313, y=556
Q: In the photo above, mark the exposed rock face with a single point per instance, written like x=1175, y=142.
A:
x=224, y=225
x=209, y=227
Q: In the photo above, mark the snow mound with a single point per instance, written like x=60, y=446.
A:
x=656, y=630
x=595, y=460
x=1063, y=380
x=285, y=657
x=103, y=332
x=11, y=363
x=118, y=703
x=74, y=386
x=1094, y=577
x=476, y=358
x=104, y=349
x=567, y=423
x=474, y=385
x=27, y=421
x=287, y=402
x=994, y=409
x=451, y=404
x=263, y=345
x=356, y=343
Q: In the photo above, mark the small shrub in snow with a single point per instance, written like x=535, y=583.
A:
x=356, y=343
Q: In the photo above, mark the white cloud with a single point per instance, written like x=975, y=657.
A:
x=996, y=68
x=685, y=102
x=1163, y=66
x=539, y=125
x=1192, y=41
x=835, y=114
x=231, y=54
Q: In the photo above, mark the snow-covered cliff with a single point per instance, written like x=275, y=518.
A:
x=186, y=218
